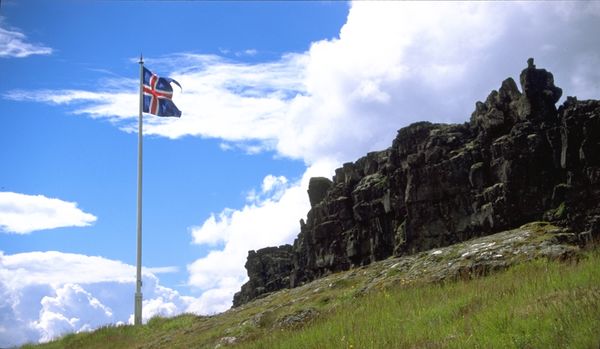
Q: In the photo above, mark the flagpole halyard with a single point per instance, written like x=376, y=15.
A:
x=138, y=284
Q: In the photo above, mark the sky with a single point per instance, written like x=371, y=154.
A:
x=273, y=93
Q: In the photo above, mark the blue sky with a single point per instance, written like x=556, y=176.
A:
x=273, y=93
x=93, y=163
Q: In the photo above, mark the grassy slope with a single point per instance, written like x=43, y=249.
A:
x=536, y=304
x=539, y=304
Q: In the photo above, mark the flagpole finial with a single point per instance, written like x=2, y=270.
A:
x=141, y=59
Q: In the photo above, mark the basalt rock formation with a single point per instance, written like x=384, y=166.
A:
x=518, y=160
x=269, y=270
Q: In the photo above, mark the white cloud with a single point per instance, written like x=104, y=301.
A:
x=393, y=63
x=240, y=102
x=161, y=301
x=47, y=294
x=117, y=106
x=271, y=183
x=272, y=188
x=269, y=219
x=23, y=214
x=261, y=223
x=217, y=298
x=72, y=309
x=274, y=192
x=13, y=43
x=53, y=268
x=400, y=62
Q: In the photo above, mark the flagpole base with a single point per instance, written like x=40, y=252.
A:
x=137, y=317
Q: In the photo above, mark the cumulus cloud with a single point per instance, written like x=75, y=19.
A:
x=23, y=214
x=216, y=229
x=263, y=222
x=71, y=309
x=393, y=63
x=13, y=43
x=46, y=294
x=270, y=218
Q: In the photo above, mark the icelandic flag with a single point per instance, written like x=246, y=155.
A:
x=157, y=95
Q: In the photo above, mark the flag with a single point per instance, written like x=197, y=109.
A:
x=157, y=95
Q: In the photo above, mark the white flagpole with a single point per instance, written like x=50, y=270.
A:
x=138, y=284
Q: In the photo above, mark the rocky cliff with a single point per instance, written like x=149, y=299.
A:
x=519, y=159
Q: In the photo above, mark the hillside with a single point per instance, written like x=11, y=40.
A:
x=545, y=293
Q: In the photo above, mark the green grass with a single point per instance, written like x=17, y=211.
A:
x=158, y=332
x=537, y=304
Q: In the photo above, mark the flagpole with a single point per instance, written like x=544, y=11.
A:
x=138, y=284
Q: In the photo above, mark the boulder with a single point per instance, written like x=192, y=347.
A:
x=268, y=270
x=317, y=189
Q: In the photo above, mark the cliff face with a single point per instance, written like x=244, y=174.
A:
x=518, y=160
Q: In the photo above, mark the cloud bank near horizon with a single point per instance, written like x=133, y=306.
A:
x=46, y=294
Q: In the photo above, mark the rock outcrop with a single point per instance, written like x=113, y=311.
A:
x=269, y=270
x=519, y=159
